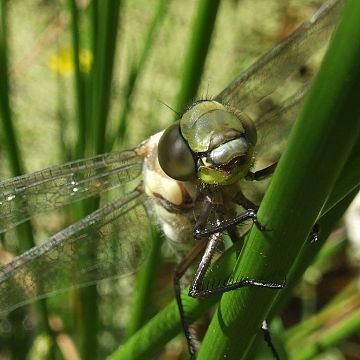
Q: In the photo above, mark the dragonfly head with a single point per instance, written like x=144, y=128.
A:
x=211, y=142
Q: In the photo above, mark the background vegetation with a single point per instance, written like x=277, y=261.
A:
x=84, y=77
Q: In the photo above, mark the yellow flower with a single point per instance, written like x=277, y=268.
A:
x=62, y=61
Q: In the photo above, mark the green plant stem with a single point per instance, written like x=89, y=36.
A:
x=331, y=337
x=309, y=251
x=25, y=231
x=329, y=250
x=145, y=281
x=7, y=123
x=152, y=337
x=319, y=143
x=345, y=299
x=105, y=20
x=89, y=91
x=79, y=81
x=349, y=180
x=163, y=327
x=194, y=60
x=306, y=257
x=326, y=329
x=136, y=71
x=146, y=278
x=94, y=6
x=107, y=25
x=89, y=315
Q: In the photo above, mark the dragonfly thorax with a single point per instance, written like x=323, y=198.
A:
x=212, y=142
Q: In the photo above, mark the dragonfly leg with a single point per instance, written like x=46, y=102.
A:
x=203, y=219
x=223, y=225
x=197, y=291
x=204, y=264
x=178, y=274
x=261, y=174
x=267, y=338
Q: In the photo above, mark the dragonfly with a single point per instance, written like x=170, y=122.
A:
x=188, y=179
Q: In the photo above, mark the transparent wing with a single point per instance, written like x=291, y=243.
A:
x=111, y=241
x=272, y=69
x=25, y=196
x=274, y=127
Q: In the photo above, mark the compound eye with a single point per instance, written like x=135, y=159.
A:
x=175, y=156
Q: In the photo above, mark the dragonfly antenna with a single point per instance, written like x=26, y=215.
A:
x=169, y=107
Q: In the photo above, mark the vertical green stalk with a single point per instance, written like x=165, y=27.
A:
x=147, y=275
x=8, y=126
x=104, y=24
x=62, y=116
x=194, y=60
x=146, y=278
x=88, y=295
x=93, y=33
x=25, y=231
x=318, y=149
x=94, y=8
x=165, y=325
x=79, y=81
x=136, y=70
x=305, y=258
x=107, y=25
x=330, y=327
x=310, y=250
x=345, y=189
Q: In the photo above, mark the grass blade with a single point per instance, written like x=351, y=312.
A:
x=135, y=73
x=194, y=60
x=295, y=196
x=79, y=81
x=107, y=25
x=25, y=231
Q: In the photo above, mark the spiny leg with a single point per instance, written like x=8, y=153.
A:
x=223, y=225
x=264, y=326
x=196, y=286
x=178, y=274
x=200, y=229
x=204, y=264
x=215, y=237
x=267, y=338
x=196, y=290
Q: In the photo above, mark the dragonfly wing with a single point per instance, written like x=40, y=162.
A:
x=274, y=126
x=111, y=241
x=273, y=132
x=272, y=69
x=25, y=196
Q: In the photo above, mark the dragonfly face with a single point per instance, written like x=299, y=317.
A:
x=212, y=142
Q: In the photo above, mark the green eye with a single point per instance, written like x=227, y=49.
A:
x=175, y=156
